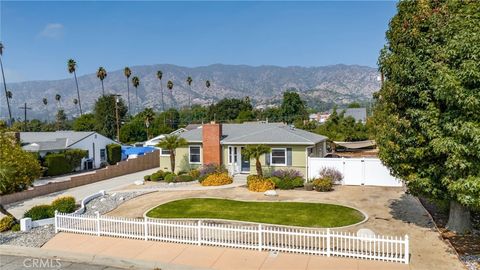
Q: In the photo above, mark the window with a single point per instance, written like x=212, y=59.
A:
x=278, y=156
x=164, y=152
x=194, y=154
x=102, y=155
x=232, y=154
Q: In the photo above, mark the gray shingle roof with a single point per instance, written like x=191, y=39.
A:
x=259, y=133
x=45, y=141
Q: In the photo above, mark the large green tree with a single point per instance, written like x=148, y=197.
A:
x=293, y=107
x=229, y=109
x=427, y=111
x=85, y=122
x=104, y=115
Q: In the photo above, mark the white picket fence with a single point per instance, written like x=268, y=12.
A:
x=241, y=235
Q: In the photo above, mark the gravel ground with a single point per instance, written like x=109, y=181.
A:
x=471, y=261
x=40, y=235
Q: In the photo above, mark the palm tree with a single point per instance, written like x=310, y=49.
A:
x=58, y=98
x=136, y=83
x=127, y=72
x=255, y=151
x=102, y=74
x=5, y=86
x=170, y=85
x=159, y=76
x=207, y=84
x=189, y=81
x=171, y=143
x=72, y=67
x=9, y=94
x=75, y=102
x=45, y=102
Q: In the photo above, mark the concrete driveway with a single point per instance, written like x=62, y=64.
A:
x=19, y=208
x=390, y=210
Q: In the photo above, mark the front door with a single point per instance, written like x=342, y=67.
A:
x=245, y=163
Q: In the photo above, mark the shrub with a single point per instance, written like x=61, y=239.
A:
x=63, y=204
x=287, y=174
x=194, y=173
x=184, y=178
x=209, y=169
x=74, y=157
x=6, y=223
x=182, y=172
x=170, y=177
x=57, y=164
x=146, y=178
x=287, y=183
x=259, y=184
x=16, y=227
x=323, y=184
x=114, y=153
x=217, y=179
x=156, y=176
x=332, y=173
x=39, y=212
x=162, y=173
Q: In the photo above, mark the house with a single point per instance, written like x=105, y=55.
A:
x=319, y=117
x=154, y=141
x=223, y=144
x=52, y=142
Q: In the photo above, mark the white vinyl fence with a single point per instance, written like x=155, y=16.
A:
x=241, y=235
x=356, y=171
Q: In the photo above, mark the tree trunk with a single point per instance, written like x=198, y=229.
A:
x=172, y=161
x=459, y=218
x=6, y=213
x=258, y=166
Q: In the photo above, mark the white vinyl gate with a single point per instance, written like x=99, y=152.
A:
x=355, y=171
x=241, y=235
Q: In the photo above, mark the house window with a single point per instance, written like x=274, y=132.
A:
x=102, y=155
x=164, y=152
x=232, y=154
x=278, y=156
x=194, y=154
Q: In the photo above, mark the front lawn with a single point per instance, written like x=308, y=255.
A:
x=283, y=213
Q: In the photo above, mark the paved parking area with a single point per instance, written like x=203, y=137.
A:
x=205, y=257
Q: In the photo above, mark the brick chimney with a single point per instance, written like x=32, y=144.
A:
x=211, y=136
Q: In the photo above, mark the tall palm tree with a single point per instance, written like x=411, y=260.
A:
x=255, y=151
x=75, y=102
x=45, y=102
x=159, y=76
x=170, y=85
x=136, y=83
x=58, y=98
x=102, y=74
x=127, y=72
x=171, y=143
x=207, y=84
x=189, y=81
x=5, y=86
x=72, y=68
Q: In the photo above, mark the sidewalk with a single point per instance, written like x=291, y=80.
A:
x=19, y=208
x=205, y=257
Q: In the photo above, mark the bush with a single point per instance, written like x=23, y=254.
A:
x=146, y=178
x=74, y=157
x=156, y=177
x=259, y=184
x=209, y=169
x=170, y=177
x=182, y=172
x=16, y=227
x=162, y=173
x=287, y=174
x=6, y=223
x=57, y=164
x=287, y=183
x=64, y=204
x=114, y=153
x=332, y=173
x=194, y=173
x=323, y=184
x=184, y=178
x=39, y=212
x=217, y=179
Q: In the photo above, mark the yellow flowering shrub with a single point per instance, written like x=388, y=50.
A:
x=259, y=184
x=217, y=179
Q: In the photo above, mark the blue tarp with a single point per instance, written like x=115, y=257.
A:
x=136, y=150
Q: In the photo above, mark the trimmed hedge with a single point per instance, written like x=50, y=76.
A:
x=114, y=153
x=184, y=178
x=64, y=204
x=39, y=212
x=57, y=164
x=287, y=183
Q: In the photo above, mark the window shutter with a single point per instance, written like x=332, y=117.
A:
x=267, y=159
x=289, y=156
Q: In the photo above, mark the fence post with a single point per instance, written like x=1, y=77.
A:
x=146, y=228
x=56, y=221
x=328, y=242
x=407, y=249
x=199, y=232
x=260, y=237
x=98, y=223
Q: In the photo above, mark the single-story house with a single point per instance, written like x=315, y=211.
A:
x=57, y=141
x=224, y=143
x=154, y=141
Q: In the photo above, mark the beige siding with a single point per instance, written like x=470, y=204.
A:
x=181, y=153
x=299, y=159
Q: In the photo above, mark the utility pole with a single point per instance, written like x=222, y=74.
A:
x=117, y=99
x=25, y=108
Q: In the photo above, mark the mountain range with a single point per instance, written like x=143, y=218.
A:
x=339, y=84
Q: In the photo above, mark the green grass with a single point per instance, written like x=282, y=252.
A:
x=283, y=213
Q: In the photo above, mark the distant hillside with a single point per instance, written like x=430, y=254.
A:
x=339, y=84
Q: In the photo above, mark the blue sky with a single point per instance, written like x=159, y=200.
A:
x=39, y=37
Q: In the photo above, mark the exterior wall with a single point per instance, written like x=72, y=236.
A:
x=211, y=136
x=88, y=143
x=147, y=161
x=299, y=159
x=181, y=153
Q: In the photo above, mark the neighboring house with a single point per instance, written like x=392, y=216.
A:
x=319, y=117
x=359, y=114
x=154, y=141
x=52, y=142
x=223, y=144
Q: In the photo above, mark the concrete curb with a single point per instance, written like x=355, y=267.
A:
x=90, y=258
